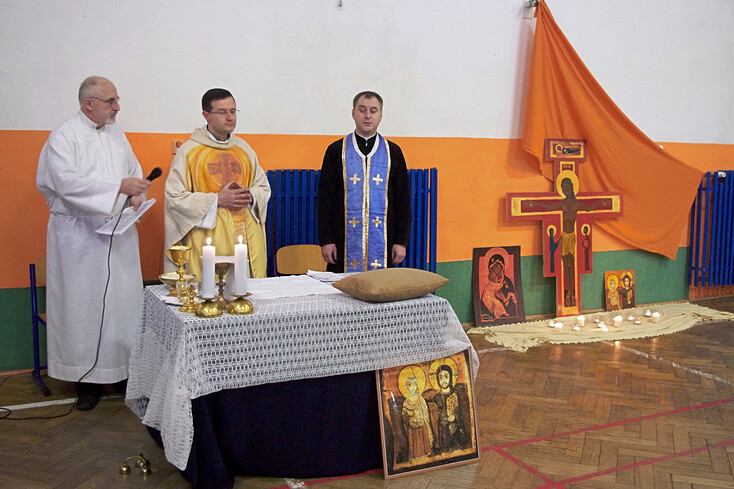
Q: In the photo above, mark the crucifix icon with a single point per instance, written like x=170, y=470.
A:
x=566, y=215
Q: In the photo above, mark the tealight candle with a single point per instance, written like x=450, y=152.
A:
x=630, y=318
x=551, y=324
x=207, y=270
x=656, y=317
x=603, y=328
x=637, y=321
x=576, y=328
x=617, y=321
x=648, y=313
x=581, y=320
x=559, y=325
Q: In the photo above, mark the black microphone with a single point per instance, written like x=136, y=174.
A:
x=155, y=173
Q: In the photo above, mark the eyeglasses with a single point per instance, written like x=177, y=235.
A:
x=111, y=101
x=223, y=112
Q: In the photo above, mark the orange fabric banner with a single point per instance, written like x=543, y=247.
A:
x=565, y=101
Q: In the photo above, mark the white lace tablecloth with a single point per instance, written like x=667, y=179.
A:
x=177, y=357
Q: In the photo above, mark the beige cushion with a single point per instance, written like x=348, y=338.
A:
x=390, y=284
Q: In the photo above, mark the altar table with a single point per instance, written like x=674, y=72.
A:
x=337, y=342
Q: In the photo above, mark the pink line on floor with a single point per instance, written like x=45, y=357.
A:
x=646, y=462
x=551, y=484
x=609, y=425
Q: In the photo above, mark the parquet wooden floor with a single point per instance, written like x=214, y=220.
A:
x=646, y=413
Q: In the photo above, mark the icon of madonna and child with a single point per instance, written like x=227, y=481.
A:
x=427, y=415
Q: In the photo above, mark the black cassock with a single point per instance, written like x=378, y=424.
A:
x=331, y=202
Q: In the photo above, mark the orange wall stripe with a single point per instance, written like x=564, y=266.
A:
x=474, y=175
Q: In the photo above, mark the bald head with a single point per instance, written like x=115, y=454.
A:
x=90, y=87
x=98, y=100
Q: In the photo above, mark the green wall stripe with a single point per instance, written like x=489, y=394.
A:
x=657, y=278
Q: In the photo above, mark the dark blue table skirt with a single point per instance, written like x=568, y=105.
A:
x=307, y=428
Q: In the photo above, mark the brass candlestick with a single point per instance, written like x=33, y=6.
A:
x=221, y=270
x=209, y=308
x=240, y=306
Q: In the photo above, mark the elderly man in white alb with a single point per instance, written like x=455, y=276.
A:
x=87, y=172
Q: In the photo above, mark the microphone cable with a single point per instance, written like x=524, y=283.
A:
x=8, y=412
x=155, y=173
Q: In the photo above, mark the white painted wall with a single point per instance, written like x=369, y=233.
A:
x=446, y=69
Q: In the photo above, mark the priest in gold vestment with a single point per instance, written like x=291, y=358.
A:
x=216, y=189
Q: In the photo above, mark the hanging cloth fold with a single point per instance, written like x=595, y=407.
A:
x=565, y=101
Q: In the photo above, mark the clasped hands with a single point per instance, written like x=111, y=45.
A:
x=234, y=196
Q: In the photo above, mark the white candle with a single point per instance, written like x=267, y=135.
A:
x=603, y=328
x=581, y=320
x=576, y=328
x=617, y=321
x=207, y=270
x=655, y=317
x=240, y=268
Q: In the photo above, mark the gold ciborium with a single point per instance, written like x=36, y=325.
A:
x=171, y=279
x=180, y=254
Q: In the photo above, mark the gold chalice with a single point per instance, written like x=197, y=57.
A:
x=180, y=255
x=221, y=269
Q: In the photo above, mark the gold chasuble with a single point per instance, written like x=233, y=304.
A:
x=208, y=170
x=201, y=167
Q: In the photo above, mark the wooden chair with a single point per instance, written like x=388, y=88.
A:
x=299, y=259
x=38, y=278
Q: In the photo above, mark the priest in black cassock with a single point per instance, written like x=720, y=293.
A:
x=364, y=196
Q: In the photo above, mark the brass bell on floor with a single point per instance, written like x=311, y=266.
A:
x=141, y=463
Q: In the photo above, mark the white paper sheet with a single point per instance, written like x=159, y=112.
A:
x=326, y=277
x=290, y=286
x=128, y=218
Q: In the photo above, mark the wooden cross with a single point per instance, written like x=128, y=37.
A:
x=566, y=215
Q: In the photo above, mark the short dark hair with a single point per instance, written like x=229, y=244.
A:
x=214, y=94
x=366, y=94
